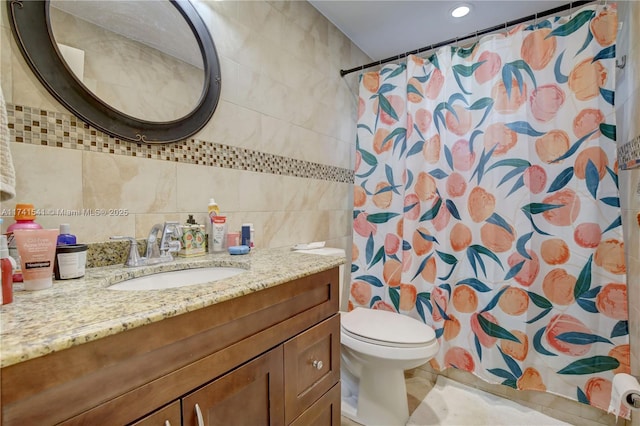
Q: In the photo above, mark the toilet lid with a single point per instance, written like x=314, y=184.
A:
x=386, y=327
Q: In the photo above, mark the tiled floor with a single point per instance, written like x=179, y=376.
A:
x=451, y=403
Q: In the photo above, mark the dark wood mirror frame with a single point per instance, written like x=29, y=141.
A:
x=29, y=21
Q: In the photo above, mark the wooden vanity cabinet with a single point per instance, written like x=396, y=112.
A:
x=267, y=358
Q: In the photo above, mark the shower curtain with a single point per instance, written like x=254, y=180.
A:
x=486, y=205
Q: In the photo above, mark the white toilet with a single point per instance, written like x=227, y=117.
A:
x=376, y=348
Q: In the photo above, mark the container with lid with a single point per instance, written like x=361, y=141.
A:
x=71, y=261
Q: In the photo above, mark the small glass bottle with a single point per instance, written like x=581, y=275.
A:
x=65, y=237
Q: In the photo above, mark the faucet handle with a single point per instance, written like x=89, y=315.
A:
x=174, y=228
x=134, y=258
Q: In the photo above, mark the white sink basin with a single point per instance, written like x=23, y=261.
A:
x=173, y=279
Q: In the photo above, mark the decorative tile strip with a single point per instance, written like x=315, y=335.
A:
x=63, y=130
x=629, y=154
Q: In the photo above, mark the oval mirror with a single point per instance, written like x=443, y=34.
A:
x=137, y=70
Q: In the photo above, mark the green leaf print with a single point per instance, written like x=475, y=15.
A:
x=606, y=53
x=423, y=264
x=411, y=89
x=370, y=279
x=433, y=212
x=539, y=316
x=494, y=330
x=537, y=343
x=381, y=217
x=592, y=178
x=537, y=208
x=520, y=245
x=504, y=374
x=582, y=397
x=595, y=364
x=620, y=329
x=608, y=95
x=616, y=223
x=561, y=180
x=514, y=270
x=587, y=41
x=609, y=130
x=523, y=127
x=577, y=338
x=476, y=284
x=574, y=147
x=560, y=78
x=611, y=201
x=496, y=219
x=573, y=25
x=385, y=105
x=583, y=283
x=492, y=304
x=533, y=224
x=511, y=363
x=378, y=257
x=394, y=295
x=539, y=301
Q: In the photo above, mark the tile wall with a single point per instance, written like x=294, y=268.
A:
x=277, y=152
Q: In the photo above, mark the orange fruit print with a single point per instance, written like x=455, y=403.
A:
x=486, y=205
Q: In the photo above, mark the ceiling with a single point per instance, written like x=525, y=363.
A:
x=385, y=28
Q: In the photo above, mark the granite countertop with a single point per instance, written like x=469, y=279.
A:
x=81, y=310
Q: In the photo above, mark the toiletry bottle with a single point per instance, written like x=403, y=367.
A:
x=65, y=237
x=25, y=216
x=219, y=233
x=212, y=210
x=245, y=235
x=6, y=296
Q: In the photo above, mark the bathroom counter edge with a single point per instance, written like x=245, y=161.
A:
x=73, y=312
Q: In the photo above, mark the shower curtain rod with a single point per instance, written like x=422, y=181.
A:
x=553, y=11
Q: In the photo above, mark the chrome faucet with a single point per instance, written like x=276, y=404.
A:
x=133, y=259
x=155, y=253
x=153, y=249
x=162, y=252
x=167, y=244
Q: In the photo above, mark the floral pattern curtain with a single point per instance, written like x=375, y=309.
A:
x=486, y=205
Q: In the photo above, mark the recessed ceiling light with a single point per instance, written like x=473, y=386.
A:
x=460, y=11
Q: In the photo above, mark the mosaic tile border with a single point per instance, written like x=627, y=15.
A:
x=629, y=154
x=64, y=130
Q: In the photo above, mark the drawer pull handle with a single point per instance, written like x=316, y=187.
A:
x=167, y=423
x=199, y=416
x=317, y=364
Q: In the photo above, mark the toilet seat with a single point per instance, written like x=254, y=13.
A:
x=385, y=328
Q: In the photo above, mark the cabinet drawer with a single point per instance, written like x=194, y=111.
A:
x=311, y=366
x=323, y=412
x=249, y=395
x=170, y=415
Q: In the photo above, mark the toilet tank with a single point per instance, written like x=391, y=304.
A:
x=331, y=251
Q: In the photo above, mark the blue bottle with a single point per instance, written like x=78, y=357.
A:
x=65, y=237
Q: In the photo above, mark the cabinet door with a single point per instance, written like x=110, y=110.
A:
x=169, y=415
x=248, y=395
x=323, y=412
x=312, y=366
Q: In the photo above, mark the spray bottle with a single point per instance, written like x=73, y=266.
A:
x=212, y=210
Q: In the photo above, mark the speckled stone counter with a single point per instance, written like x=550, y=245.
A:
x=73, y=312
